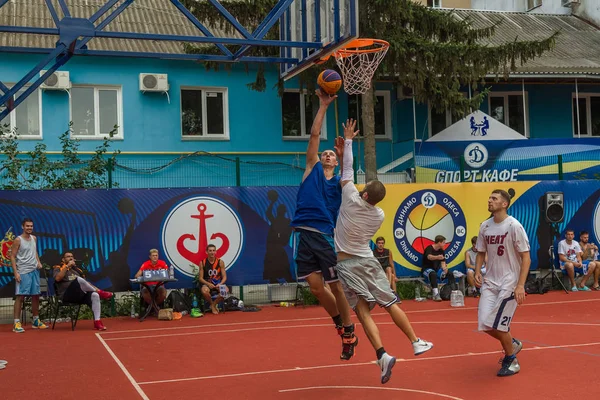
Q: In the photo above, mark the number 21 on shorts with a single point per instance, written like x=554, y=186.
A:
x=505, y=321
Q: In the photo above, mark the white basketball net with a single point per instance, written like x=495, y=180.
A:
x=358, y=68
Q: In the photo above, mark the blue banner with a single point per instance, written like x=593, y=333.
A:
x=507, y=160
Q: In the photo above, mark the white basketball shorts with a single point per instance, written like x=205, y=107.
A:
x=496, y=308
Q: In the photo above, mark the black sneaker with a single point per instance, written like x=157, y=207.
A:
x=349, y=342
x=510, y=366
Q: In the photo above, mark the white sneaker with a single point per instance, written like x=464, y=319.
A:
x=3, y=362
x=386, y=363
x=421, y=346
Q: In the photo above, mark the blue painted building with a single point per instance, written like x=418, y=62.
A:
x=215, y=111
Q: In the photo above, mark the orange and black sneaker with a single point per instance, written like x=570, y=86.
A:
x=349, y=342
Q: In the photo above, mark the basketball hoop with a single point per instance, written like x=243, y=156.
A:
x=358, y=62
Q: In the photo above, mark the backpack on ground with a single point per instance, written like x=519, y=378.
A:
x=178, y=301
x=536, y=286
x=446, y=292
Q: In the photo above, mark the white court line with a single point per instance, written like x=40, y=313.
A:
x=275, y=321
x=276, y=371
x=120, y=364
x=370, y=388
x=262, y=328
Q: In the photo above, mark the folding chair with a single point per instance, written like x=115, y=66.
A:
x=60, y=303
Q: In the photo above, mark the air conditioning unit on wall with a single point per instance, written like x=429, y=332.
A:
x=569, y=3
x=59, y=80
x=154, y=82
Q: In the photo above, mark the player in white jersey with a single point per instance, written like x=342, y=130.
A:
x=364, y=281
x=505, y=242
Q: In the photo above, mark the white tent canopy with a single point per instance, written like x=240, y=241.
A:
x=479, y=126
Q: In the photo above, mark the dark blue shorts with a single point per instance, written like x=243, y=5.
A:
x=314, y=252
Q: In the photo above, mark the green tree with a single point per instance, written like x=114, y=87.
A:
x=35, y=170
x=431, y=52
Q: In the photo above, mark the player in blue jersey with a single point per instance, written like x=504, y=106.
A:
x=317, y=206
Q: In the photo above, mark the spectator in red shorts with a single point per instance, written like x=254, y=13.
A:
x=153, y=264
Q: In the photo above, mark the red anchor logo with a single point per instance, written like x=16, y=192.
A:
x=200, y=254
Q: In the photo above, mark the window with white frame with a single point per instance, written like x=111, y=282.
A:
x=383, y=113
x=204, y=113
x=298, y=110
x=586, y=120
x=95, y=111
x=509, y=108
x=440, y=120
x=434, y=3
x=533, y=3
x=25, y=119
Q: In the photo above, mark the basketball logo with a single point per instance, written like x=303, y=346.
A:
x=424, y=215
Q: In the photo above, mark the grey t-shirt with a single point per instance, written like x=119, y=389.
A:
x=26, y=258
x=63, y=284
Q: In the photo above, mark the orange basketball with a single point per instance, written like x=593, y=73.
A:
x=329, y=81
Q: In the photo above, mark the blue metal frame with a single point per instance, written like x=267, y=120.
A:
x=74, y=34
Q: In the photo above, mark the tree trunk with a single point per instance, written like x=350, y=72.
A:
x=368, y=126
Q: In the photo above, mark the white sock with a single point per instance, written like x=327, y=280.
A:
x=85, y=285
x=96, y=306
x=436, y=291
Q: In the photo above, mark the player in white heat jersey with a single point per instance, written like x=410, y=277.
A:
x=504, y=240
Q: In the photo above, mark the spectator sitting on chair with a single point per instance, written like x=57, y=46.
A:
x=153, y=264
x=470, y=261
x=590, y=256
x=384, y=256
x=569, y=254
x=72, y=288
x=434, y=266
x=212, y=274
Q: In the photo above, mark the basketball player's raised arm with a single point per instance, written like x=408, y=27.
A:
x=312, y=153
x=348, y=159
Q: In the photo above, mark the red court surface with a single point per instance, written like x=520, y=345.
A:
x=293, y=353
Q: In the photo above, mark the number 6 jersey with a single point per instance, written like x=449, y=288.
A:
x=502, y=242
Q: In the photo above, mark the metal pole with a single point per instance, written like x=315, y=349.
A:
x=560, y=167
x=238, y=178
x=577, y=107
x=524, y=108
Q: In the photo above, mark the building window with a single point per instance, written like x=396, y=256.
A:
x=508, y=109
x=383, y=113
x=588, y=123
x=531, y=4
x=95, y=111
x=438, y=121
x=25, y=120
x=298, y=112
x=204, y=113
x=434, y=3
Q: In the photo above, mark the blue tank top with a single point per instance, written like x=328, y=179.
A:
x=318, y=201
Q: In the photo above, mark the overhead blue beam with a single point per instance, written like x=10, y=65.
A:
x=52, y=12
x=198, y=25
x=3, y=2
x=107, y=21
x=64, y=8
x=232, y=20
x=266, y=24
x=29, y=29
x=210, y=40
x=164, y=56
x=8, y=98
x=102, y=10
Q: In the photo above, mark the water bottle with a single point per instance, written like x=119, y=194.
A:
x=457, y=299
x=171, y=272
x=132, y=311
x=418, y=293
x=194, y=301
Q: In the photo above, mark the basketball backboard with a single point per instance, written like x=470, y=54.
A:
x=332, y=23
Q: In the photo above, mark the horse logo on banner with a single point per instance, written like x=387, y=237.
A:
x=195, y=223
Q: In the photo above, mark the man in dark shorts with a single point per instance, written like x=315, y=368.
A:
x=212, y=275
x=73, y=288
x=434, y=266
x=317, y=206
x=384, y=256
